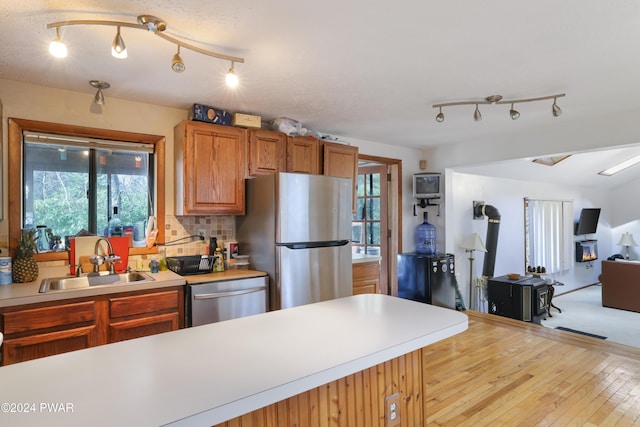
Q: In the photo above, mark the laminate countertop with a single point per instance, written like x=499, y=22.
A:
x=27, y=293
x=211, y=373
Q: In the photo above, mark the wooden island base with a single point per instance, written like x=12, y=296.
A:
x=357, y=400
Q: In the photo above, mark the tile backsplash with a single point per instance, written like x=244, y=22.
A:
x=221, y=227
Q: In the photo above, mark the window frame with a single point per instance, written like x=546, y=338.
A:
x=16, y=128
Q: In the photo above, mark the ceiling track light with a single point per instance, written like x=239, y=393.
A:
x=118, y=49
x=497, y=99
x=56, y=47
x=144, y=22
x=231, y=78
x=99, y=84
x=177, y=64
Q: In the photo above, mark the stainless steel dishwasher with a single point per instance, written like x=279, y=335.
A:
x=224, y=300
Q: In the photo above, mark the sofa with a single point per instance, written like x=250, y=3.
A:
x=620, y=281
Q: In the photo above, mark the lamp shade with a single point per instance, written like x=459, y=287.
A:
x=473, y=243
x=627, y=240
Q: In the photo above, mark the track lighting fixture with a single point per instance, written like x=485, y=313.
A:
x=231, y=78
x=497, y=99
x=555, y=110
x=514, y=113
x=118, y=49
x=56, y=47
x=148, y=23
x=476, y=114
x=99, y=84
x=177, y=64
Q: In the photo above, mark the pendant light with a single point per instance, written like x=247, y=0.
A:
x=177, y=64
x=555, y=110
x=440, y=116
x=99, y=84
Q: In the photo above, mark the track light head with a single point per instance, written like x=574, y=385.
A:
x=118, y=49
x=440, y=116
x=56, y=47
x=99, y=84
x=514, y=113
x=476, y=115
x=177, y=64
x=231, y=78
x=555, y=110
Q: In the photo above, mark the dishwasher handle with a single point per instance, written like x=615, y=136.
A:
x=228, y=293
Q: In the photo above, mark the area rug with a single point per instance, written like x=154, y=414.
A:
x=562, y=328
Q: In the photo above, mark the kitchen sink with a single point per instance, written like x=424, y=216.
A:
x=92, y=279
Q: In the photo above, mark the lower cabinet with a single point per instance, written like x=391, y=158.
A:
x=366, y=277
x=38, y=330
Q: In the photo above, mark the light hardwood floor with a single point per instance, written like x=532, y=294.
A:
x=506, y=372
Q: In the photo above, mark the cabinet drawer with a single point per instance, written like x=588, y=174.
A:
x=143, y=327
x=48, y=344
x=366, y=270
x=48, y=317
x=141, y=304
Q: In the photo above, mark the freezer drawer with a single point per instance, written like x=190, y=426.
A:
x=217, y=301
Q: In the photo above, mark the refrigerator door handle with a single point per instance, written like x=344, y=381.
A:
x=311, y=245
x=228, y=294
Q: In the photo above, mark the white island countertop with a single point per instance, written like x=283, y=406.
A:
x=211, y=373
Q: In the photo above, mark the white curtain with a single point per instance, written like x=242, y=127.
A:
x=550, y=234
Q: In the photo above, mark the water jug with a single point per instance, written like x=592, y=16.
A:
x=425, y=237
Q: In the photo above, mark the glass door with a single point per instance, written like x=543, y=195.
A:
x=369, y=226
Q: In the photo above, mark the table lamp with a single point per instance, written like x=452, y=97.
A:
x=471, y=244
x=627, y=240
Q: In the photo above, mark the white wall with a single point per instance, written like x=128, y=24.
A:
x=508, y=197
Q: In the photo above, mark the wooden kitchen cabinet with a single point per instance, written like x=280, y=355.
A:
x=44, y=331
x=273, y=152
x=267, y=152
x=342, y=161
x=141, y=315
x=366, y=277
x=38, y=330
x=210, y=168
x=302, y=154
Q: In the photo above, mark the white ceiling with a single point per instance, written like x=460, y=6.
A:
x=366, y=70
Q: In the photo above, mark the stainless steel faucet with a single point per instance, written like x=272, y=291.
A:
x=97, y=260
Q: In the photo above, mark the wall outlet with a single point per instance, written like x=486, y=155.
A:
x=392, y=410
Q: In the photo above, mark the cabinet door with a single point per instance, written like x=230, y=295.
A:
x=341, y=161
x=267, y=150
x=47, y=344
x=366, y=278
x=210, y=164
x=302, y=154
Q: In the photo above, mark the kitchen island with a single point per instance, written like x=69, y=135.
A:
x=213, y=373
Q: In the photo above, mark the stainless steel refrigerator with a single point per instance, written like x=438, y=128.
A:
x=297, y=228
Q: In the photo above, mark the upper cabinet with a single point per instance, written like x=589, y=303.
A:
x=342, y=161
x=273, y=152
x=267, y=152
x=210, y=168
x=302, y=154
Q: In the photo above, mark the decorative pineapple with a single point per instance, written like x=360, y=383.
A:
x=25, y=267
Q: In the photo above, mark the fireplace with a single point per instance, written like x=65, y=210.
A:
x=523, y=299
x=586, y=250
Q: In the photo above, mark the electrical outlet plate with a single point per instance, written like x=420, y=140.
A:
x=392, y=410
